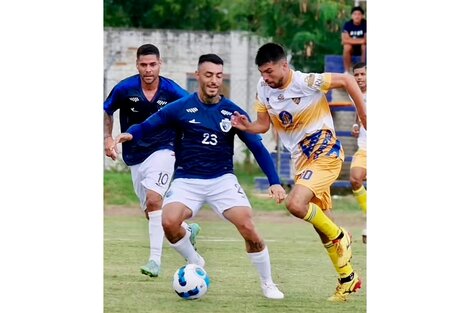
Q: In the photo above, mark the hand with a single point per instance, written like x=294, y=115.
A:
x=113, y=146
x=277, y=192
x=110, y=148
x=355, y=131
x=240, y=121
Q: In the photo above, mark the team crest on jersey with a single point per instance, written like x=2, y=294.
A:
x=286, y=118
x=309, y=80
x=296, y=100
x=225, y=125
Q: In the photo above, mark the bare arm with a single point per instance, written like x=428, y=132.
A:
x=347, y=82
x=261, y=125
x=109, y=147
x=346, y=39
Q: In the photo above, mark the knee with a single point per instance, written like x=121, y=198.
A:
x=356, y=182
x=246, y=229
x=154, y=203
x=296, y=207
x=171, y=225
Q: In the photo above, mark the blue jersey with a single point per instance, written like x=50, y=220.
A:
x=205, y=138
x=128, y=97
x=355, y=31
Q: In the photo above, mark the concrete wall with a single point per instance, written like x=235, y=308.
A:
x=180, y=51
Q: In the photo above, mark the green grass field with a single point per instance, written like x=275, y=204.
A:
x=300, y=264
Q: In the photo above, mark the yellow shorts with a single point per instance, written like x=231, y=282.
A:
x=318, y=176
x=359, y=159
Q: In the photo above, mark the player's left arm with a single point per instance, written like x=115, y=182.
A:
x=347, y=82
x=264, y=160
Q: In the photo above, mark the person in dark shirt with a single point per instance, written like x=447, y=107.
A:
x=204, y=168
x=150, y=159
x=354, y=37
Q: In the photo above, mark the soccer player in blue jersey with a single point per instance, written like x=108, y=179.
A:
x=151, y=158
x=204, y=168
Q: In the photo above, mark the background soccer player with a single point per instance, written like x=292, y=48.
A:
x=204, y=168
x=150, y=159
x=358, y=172
x=296, y=105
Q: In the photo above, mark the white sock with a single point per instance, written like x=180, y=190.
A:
x=186, y=249
x=263, y=264
x=156, y=235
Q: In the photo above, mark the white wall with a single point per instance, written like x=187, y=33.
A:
x=180, y=51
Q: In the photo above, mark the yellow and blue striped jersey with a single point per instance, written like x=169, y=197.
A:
x=300, y=113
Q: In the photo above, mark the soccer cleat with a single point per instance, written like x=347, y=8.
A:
x=151, y=269
x=364, y=235
x=343, y=247
x=343, y=290
x=194, y=229
x=271, y=291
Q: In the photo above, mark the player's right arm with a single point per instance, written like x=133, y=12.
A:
x=111, y=104
x=108, y=136
x=262, y=123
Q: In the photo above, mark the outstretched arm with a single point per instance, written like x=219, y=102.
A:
x=261, y=125
x=347, y=82
x=264, y=160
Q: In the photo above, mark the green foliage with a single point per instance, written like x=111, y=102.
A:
x=309, y=29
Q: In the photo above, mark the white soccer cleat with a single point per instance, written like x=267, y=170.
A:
x=271, y=291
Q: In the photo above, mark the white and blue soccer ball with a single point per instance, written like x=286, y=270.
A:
x=191, y=282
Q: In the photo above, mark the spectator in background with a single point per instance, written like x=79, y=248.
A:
x=353, y=38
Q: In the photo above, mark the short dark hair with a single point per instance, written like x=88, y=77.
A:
x=270, y=52
x=211, y=57
x=358, y=8
x=359, y=65
x=148, y=49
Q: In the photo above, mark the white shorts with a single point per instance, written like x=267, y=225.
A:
x=155, y=174
x=221, y=193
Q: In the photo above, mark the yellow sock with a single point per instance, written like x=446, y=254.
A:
x=361, y=197
x=343, y=270
x=317, y=218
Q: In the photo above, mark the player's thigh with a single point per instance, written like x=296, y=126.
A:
x=318, y=176
x=157, y=170
x=225, y=192
x=359, y=159
x=190, y=193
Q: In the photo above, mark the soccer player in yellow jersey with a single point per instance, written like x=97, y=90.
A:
x=358, y=171
x=296, y=104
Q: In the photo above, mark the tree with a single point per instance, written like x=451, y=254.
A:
x=309, y=29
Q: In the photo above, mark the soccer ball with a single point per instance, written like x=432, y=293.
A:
x=191, y=282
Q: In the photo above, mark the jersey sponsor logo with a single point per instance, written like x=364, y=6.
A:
x=134, y=110
x=134, y=99
x=192, y=110
x=227, y=113
x=225, y=125
x=161, y=102
x=193, y=121
x=296, y=100
x=280, y=97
